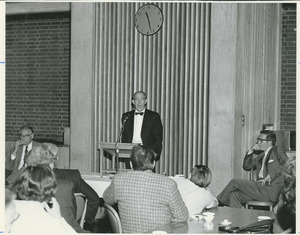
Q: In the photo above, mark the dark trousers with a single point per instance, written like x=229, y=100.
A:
x=93, y=201
x=239, y=191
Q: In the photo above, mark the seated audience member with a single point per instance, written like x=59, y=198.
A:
x=268, y=161
x=285, y=221
x=46, y=153
x=17, y=155
x=39, y=212
x=195, y=192
x=145, y=200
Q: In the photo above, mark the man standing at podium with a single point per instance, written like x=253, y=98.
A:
x=142, y=126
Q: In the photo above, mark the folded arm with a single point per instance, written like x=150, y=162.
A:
x=249, y=162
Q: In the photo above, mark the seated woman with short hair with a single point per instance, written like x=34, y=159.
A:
x=39, y=211
x=194, y=191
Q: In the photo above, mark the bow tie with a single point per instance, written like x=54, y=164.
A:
x=141, y=113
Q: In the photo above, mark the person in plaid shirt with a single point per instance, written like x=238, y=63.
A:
x=146, y=200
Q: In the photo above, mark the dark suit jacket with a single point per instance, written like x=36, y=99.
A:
x=274, y=166
x=80, y=186
x=14, y=164
x=151, y=133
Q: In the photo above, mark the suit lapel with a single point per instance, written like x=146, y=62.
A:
x=18, y=158
x=144, y=130
x=130, y=124
x=267, y=160
x=268, y=156
x=19, y=154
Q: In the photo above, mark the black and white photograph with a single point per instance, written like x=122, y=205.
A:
x=162, y=117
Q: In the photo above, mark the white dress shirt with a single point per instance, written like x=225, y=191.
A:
x=195, y=198
x=137, y=127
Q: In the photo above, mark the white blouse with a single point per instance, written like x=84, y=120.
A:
x=194, y=197
x=33, y=219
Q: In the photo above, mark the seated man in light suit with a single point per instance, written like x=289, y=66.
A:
x=145, y=200
x=17, y=155
x=268, y=161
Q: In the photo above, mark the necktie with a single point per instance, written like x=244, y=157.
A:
x=141, y=113
x=25, y=155
x=261, y=172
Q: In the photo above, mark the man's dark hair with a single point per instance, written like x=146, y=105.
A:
x=26, y=127
x=142, y=158
x=270, y=135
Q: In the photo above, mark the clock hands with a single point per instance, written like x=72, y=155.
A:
x=148, y=21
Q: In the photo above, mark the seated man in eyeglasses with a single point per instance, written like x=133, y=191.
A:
x=268, y=161
x=17, y=155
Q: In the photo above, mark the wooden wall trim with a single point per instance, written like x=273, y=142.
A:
x=36, y=7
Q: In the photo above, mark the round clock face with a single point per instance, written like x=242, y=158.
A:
x=148, y=19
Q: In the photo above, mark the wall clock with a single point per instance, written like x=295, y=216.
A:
x=148, y=19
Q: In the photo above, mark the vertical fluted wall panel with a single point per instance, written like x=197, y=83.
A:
x=170, y=66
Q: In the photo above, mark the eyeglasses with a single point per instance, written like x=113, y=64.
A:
x=259, y=139
x=23, y=136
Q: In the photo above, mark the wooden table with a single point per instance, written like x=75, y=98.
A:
x=238, y=217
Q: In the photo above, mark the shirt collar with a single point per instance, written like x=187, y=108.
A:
x=29, y=146
x=143, y=111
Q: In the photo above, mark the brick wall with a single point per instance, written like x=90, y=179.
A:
x=288, y=68
x=38, y=74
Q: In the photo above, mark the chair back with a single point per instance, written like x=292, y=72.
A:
x=114, y=218
x=283, y=139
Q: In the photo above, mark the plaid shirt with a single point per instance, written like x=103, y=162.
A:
x=145, y=200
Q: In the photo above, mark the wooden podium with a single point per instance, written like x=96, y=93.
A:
x=110, y=148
